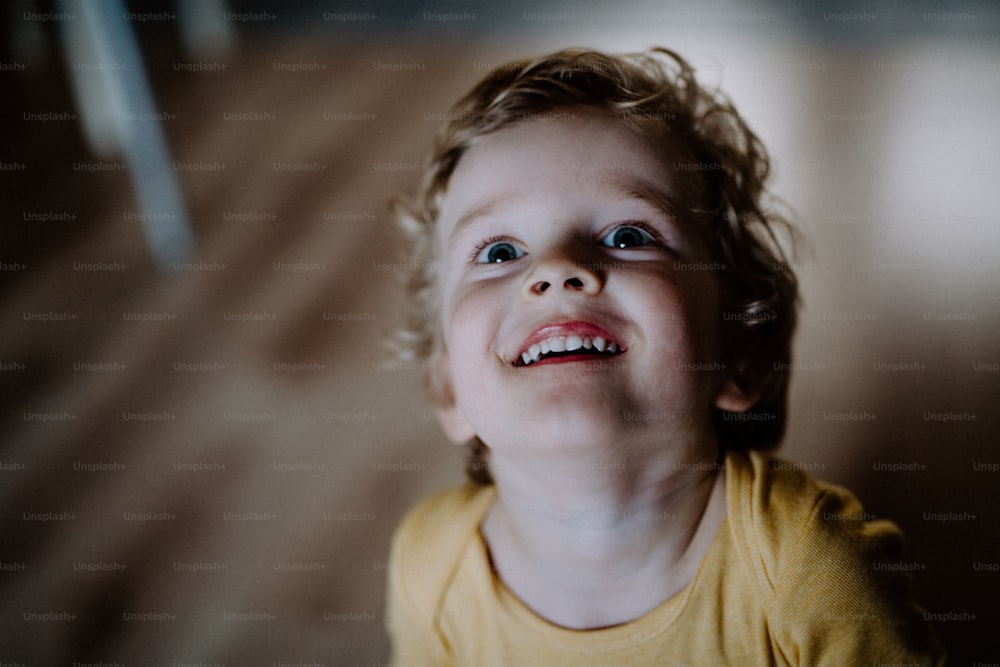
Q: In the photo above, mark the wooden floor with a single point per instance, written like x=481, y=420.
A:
x=205, y=464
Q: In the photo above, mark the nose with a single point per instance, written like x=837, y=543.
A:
x=560, y=269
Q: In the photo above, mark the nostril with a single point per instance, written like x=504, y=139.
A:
x=574, y=282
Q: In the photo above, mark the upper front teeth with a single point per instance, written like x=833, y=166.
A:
x=566, y=344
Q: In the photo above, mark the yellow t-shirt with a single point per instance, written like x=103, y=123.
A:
x=798, y=574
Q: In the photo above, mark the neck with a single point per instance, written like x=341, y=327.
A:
x=601, y=541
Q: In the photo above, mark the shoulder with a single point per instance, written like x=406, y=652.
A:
x=779, y=511
x=829, y=571
x=430, y=541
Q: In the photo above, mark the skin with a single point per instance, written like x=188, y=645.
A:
x=607, y=496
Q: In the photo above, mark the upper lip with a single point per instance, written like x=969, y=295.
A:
x=564, y=329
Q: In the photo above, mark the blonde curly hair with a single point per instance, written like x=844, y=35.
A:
x=723, y=173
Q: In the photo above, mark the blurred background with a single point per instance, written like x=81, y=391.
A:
x=206, y=443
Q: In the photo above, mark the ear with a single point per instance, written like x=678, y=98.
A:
x=449, y=414
x=733, y=398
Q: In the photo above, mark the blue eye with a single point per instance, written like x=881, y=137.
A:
x=498, y=253
x=627, y=237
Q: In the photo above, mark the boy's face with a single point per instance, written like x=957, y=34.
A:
x=558, y=233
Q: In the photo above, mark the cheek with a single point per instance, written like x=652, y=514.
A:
x=681, y=319
x=454, y=304
x=703, y=311
x=682, y=316
x=463, y=312
x=471, y=319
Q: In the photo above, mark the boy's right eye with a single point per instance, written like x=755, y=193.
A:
x=498, y=252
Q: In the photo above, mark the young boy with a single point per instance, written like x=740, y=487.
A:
x=615, y=318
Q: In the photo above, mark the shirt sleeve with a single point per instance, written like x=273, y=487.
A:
x=426, y=550
x=842, y=597
x=409, y=615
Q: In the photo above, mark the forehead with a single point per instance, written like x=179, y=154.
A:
x=579, y=153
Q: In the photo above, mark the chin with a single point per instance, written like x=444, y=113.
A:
x=569, y=430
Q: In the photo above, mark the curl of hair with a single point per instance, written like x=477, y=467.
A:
x=655, y=94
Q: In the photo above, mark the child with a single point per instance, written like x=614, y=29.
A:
x=615, y=317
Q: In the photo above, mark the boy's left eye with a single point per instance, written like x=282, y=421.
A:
x=628, y=236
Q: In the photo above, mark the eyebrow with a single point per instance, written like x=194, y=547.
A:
x=650, y=194
x=480, y=211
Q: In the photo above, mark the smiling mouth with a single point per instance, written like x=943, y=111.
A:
x=573, y=347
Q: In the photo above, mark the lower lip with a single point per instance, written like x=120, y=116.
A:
x=570, y=358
